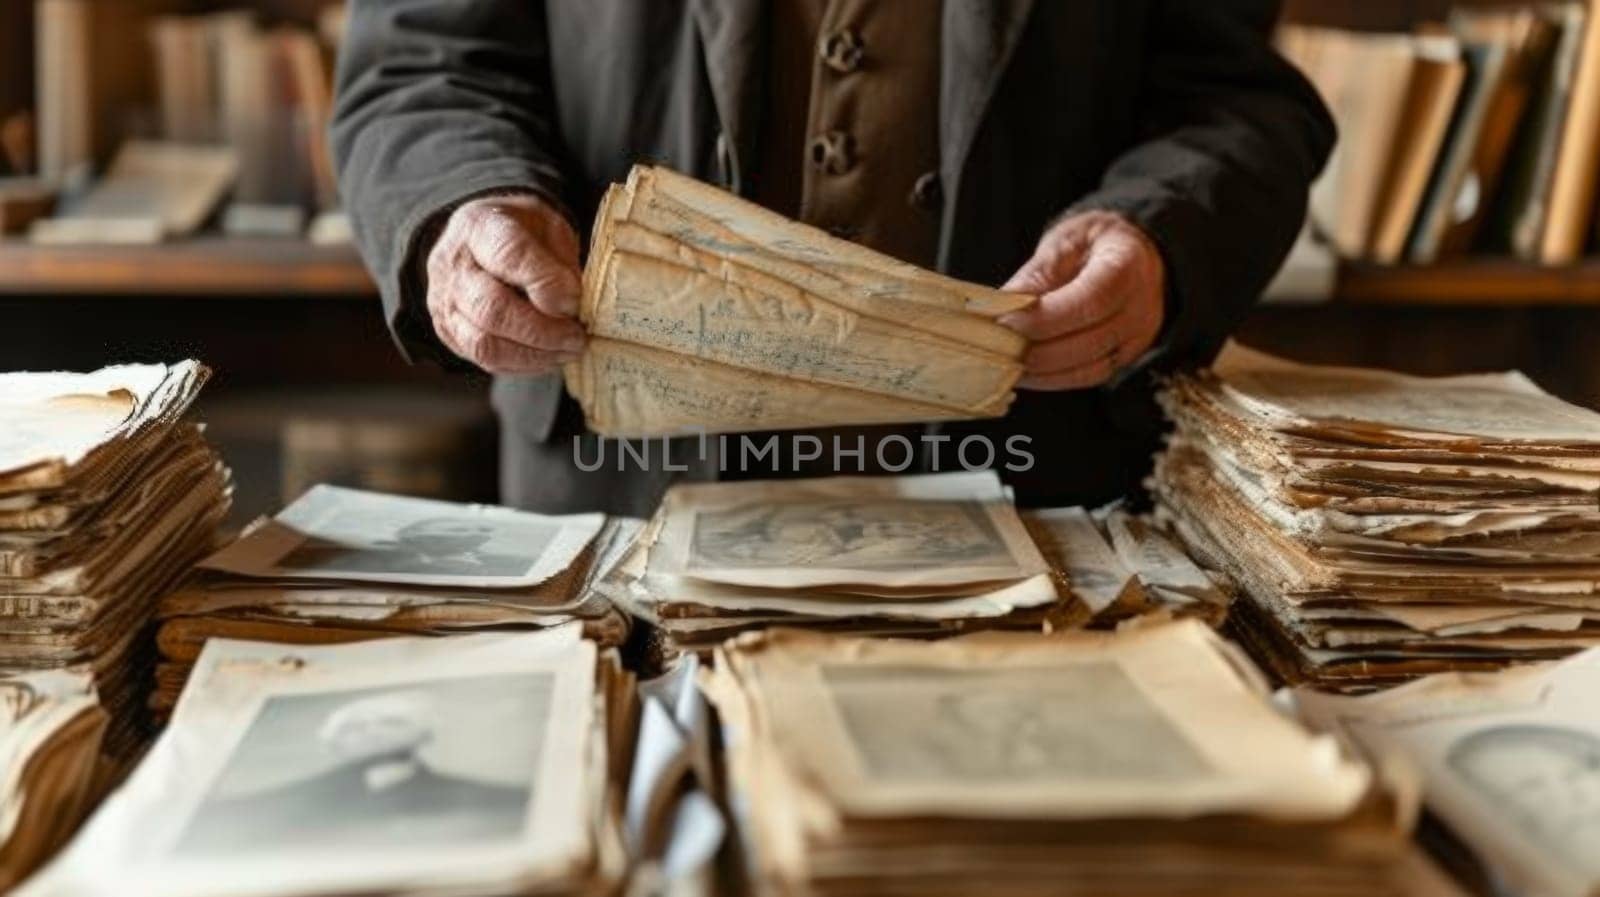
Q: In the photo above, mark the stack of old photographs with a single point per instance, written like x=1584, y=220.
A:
x=479, y=765
x=106, y=497
x=925, y=555
x=50, y=730
x=1387, y=526
x=1509, y=762
x=342, y=565
x=1149, y=761
x=1114, y=565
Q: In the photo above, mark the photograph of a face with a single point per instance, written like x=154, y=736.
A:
x=431, y=546
x=1546, y=778
x=889, y=534
x=424, y=765
x=1085, y=721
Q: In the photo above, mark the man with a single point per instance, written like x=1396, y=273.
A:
x=378, y=791
x=1142, y=165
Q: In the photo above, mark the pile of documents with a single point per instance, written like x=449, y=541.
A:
x=1114, y=565
x=1145, y=762
x=1387, y=526
x=106, y=497
x=920, y=555
x=343, y=565
x=479, y=765
x=50, y=730
x=709, y=313
x=1509, y=761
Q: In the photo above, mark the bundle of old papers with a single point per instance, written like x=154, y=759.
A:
x=476, y=765
x=106, y=497
x=1510, y=761
x=1387, y=526
x=50, y=730
x=343, y=565
x=1145, y=762
x=1115, y=565
x=912, y=555
x=709, y=313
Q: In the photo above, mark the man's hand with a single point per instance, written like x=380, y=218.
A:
x=1101, y=285
x=503, y=285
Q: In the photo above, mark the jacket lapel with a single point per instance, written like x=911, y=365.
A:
x=731, y=34
x=978, y=37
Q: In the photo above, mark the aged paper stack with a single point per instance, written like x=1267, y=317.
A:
x=709, y=313
x=1510, y=761
x=911, y=555
x=1146, y=762
x=1388, y=526
x=479, y=765
x=50, y=730
x=1115, y=565
x=343, y=565
x=106, y=497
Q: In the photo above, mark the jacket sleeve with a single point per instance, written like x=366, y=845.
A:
x=1232, y=137
x=437, y=101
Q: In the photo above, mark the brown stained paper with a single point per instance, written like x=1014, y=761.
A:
x=1384, y=526
x=713, y=314
x=904, y=766
x=1510, y=761
x=50, y=730
x=477, y=764
x=926, y=555
x=631, y=390
x=768, y=326
x=106, y=497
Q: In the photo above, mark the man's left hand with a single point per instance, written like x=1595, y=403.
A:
x=1102, y=296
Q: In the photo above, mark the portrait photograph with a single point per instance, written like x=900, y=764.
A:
x=1085, y=721
x=412, y=766
x=431, y=546
x=892, y=534
x=1544, y=777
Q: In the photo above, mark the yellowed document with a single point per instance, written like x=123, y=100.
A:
x=708, y=312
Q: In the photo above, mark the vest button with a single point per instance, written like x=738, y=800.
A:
x=833, y=152
x=927, y=194
x=842, y=50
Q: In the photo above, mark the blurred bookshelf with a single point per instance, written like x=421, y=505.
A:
x=1480, y=282
x=200, y=267
x=166, y=192
x=1469, y=155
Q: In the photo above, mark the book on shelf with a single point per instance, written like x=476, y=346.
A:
x=1572, y=190
x=1436, y=81
x=1478, y=134
x=1517, y=221
x=149, y=73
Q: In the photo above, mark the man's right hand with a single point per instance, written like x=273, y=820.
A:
x=503, y=285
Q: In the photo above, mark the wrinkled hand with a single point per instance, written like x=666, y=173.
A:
x=1101, y=285
x=503, y=285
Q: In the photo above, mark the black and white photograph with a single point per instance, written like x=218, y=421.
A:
x=439, y=546
x=424, y=765
x=892, y=534
x=335, y=533
x=1545, y=777
x=1085, y=721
